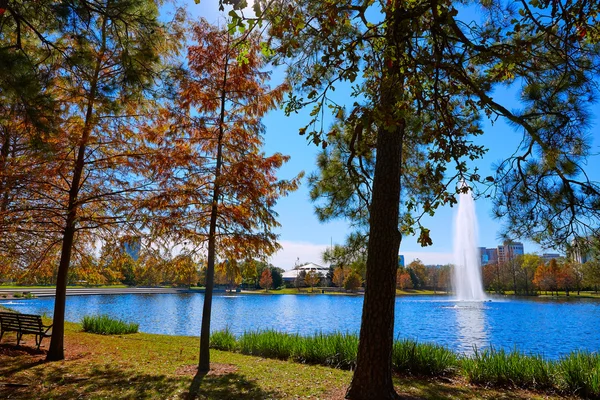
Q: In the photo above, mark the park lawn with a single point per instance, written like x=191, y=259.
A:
x=145, y=366
x=561, y=293
x=582, y=294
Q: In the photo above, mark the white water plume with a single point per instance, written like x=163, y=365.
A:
x=467, y=269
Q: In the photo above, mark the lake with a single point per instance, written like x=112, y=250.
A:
x=533, y=325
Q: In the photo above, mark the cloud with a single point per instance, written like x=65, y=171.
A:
x=304, y=252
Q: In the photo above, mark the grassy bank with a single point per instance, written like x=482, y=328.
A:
x=576, y=374
x=144, y=366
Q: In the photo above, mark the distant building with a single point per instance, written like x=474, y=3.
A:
x=400, y=261
x=290, y=276
x=488, y=255
x=132, y=246
x=550, y=256
x=581, y=249
x=509, y=250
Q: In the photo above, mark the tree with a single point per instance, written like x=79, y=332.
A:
x=185, y=269
x=224, y=206
x=276, y=273
x=353, y=281
x=445, y=277
x=266, y=279
x=426, y=71
x=29, y=111
x=339, y=276
x=109, y=56
x=547, y=277
x=514, y=266
x=249, y=271
x=528, y=268
x=591, y=270
x=228, y=273
x=403, y=280
x=349, y=255
x=578, y=275
x=418, y=273
x=312, y=279
x=299, y=280
x=433, y=277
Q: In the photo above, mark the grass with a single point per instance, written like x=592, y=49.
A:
x=223, y=340
x=576, y=374
x=410, y=357
x=579, y=373
x=144, y=366
x=501, y=368
x=105, y=325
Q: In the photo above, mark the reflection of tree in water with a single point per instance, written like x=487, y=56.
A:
x=470, y=322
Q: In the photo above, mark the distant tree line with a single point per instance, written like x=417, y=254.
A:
x=529, y=274
x=153, y=265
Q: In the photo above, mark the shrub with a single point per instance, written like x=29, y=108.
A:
x=269, y=344
x=104, y=325
x=353, y=281
x=266, y=279
x=411, y=357
x=501, y=368
x=336, y=350
x=579, y=373
x=223, y=340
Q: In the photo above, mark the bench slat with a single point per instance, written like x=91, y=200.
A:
x=24, y=323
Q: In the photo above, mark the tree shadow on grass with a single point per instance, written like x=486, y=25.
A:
x=228, y=386
x=76, y=380
x=432, y=389
x=27, y=358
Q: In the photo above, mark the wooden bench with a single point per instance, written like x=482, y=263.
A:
x=24, y=323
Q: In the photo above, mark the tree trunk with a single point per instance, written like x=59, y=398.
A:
x=373, y=375
x=56, y=349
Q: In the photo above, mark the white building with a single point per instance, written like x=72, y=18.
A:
x=290, y=276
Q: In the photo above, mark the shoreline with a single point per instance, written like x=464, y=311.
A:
x=25, y=292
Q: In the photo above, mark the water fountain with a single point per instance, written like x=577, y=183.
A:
x=467, y=269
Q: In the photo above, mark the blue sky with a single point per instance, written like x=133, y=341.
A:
x=303, y=237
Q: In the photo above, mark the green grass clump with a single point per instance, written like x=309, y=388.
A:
x=336, y=350
x=223, y=340
x=269, y=344
x=579, y=373
x=410, y=357
x=105, y=325
x=501, y=368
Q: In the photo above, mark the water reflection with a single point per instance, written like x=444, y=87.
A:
x=471, y=321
